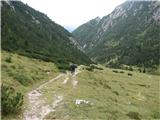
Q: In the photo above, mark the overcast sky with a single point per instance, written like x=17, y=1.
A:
x=72, y=13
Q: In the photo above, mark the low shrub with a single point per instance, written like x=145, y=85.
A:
x=144, y=70
x=115, y=92
x=130, y=74
x=95, y=67
x=139, y=70
x=134, y=115
x=11, y=101
x=89, y=68
x=156, y=115
x=121, y=72
x=63, y=66
x=130, y=68
x=13, y=66
x=107, y=86
x=8, y=59
x=114, y=65
x=23, y=79
x=92, y=67
x=115, y=71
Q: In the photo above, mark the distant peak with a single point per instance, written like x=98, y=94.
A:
x=97, y=19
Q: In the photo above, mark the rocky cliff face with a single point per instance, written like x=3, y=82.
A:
x=129, y=35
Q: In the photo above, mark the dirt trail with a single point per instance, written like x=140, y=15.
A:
x=44, y=85
x=74, y=81
x=65, y=81
x=37, y=108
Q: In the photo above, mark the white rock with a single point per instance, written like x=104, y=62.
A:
x=78, y=102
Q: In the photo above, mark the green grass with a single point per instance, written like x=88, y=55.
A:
x=24, y=74
x=114, y=96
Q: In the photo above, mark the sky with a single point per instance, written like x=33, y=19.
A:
x=73, y=13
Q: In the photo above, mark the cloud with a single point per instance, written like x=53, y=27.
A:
x=72, y=13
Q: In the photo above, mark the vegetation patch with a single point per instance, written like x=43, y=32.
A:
x=23, y=79
x=92, y=67
x=130, y=74
x=134, y=115
x=156, y=115
x=11, y=101
x=8, y=59
x=115, y=92
x=121, y=72
x=111, y=100
x=21, y=74
x=115, y=71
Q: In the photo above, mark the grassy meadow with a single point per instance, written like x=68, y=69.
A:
x=24, y=74
x=111, y=95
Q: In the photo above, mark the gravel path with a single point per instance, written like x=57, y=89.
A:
x=37, y=109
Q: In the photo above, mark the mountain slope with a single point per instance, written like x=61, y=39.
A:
x=85, y=33
x=31, y=33
x=129, y=35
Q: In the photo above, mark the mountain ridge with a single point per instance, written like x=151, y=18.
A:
x=129, y=35
x=31, y=33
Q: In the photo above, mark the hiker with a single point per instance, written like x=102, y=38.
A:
x=73, y=68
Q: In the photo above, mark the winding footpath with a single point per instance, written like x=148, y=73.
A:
x=37, y=108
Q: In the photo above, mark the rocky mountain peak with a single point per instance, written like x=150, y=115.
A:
x=156, y=14
x=125, y=34
x=97, y=19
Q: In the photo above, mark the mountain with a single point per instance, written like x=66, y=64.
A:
x=85, y=33
x=31, y=33
x=129, y=35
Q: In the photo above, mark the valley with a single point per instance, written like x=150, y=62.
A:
x=103, y=94
x=117, y=58
x=111, y=93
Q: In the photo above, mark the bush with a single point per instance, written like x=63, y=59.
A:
x=134, y=115
x=107, y=86
x=89, y=69
x=92, y=67
x=11, y=101
x=8, y=59
x=129, y=74
x=115, y=71
x=63, y=66
x=114, y=65
x=144, y=70
x=139, y=70
x=156, y=115
x=95, y=67
x=121, y=72
x=130, y=68
x=115, y=92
